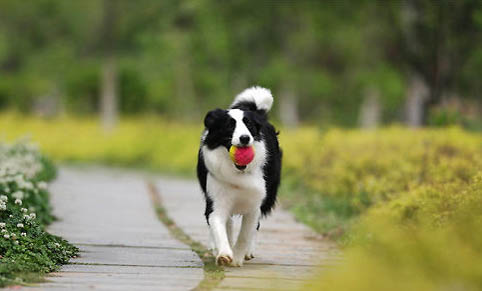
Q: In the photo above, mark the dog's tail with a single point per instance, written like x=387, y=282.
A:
x=254, y=99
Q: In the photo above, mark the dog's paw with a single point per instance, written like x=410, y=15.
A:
x=224, y=259
x=248, y=257
x=237, y=261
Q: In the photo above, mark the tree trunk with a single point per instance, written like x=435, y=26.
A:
x=109, y=112
x=108, y=98
x=370, y=110
x=186, y=102
x=416, y=101
x=288, y=112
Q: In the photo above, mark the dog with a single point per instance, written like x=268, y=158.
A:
x=231, y=189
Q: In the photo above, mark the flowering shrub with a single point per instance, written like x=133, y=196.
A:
x=25, y=247
x=344, y=173
x=428, y=239
x=414, y=199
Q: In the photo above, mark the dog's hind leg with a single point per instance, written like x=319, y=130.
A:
x=252, y=245
x=245, y=237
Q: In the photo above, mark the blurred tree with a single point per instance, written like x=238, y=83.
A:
x=109, y=43
x=28, y=30
x=122, y=21
x=342, y=63
x=435, y=40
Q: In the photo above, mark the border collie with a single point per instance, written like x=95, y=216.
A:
x=230, y=189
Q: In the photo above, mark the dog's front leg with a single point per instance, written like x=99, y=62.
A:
x=217, y=223
x=229, y=231
x=246, y=235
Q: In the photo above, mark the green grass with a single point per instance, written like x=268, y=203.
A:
x=333, y=179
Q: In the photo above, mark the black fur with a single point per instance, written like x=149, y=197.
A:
x=221, y=127
x=202, y=174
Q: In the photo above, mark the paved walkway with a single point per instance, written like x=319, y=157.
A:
x=287, y=253
x=109, y=216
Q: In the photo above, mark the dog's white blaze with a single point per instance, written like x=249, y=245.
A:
x=241, y=128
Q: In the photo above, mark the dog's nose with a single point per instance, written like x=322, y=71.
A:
x=244, y=139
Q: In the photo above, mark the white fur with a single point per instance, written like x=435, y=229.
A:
x=234, y=192
x=241, y=128
x=262, y=97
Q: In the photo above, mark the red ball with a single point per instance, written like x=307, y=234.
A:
x=243, y=155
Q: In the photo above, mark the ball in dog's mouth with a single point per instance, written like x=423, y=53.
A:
x=241, y=156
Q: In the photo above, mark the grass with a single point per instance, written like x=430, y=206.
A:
x=27, y=251
x=213, y=274
x=429, y=240
x=408, y=207
x=150, y=142
x=337, y=177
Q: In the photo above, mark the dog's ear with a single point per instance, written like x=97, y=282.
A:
x=213, y=117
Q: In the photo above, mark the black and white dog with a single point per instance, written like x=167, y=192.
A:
x=230, y=189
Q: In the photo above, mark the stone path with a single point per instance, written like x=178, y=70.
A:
x=287, y=253
x=109, y=216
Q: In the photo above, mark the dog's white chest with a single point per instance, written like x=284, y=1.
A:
x=236, y=199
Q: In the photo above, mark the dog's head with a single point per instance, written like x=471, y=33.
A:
x=232, y=127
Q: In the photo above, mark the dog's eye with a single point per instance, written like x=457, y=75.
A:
x=246, y=121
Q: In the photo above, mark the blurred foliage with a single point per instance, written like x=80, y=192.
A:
x=409, y=203
x=343, y=173
x=427, y=239
x=148, y=142
x=181, y=58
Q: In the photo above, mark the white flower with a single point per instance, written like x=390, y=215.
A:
x=20, y=225
x=18, y=195
x=23, y=234
x=42, y=185
x=28, y=185
x=15, y=242
x=57, y=244
x=6, y=236
x=19, y=179
x=33, y=215
x=18, y=201
x=2, y=224
x=3, y=230
x=24, y=210
x=3, y=207
x=3, y=198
